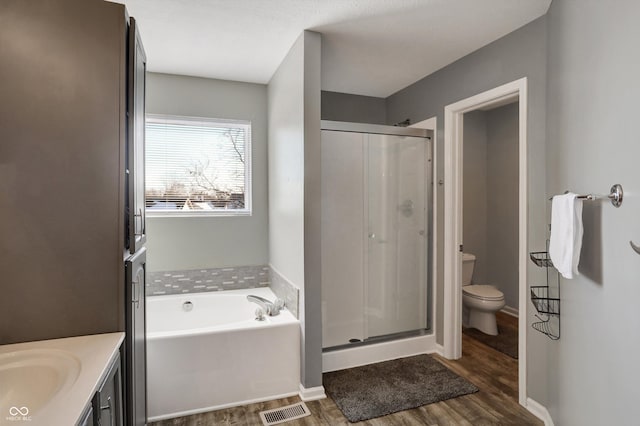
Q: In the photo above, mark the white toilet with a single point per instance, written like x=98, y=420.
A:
x=480, y=302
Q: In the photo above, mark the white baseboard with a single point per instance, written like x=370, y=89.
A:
x=540, y=411
x=311, y=394
x=219, y=407
x=439, y=349
x=378, y=352
x=510, y=311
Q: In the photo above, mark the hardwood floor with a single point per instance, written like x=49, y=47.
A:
x=505, y=342
x=494, y=373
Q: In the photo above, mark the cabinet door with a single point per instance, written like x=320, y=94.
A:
x=107, y=402
x=135, y=347
x=87, y=419
x=135, y=140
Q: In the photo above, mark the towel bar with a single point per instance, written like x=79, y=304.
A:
x=615, y=195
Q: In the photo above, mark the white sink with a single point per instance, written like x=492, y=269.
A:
x=51, y=382
x=35, y=378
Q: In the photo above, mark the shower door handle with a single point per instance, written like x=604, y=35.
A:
x=376, y=237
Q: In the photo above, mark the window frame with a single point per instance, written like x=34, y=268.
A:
x=248, y=165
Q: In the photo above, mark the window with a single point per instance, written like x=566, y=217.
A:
x=197, y=166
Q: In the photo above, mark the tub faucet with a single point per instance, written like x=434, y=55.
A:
x=270, y=308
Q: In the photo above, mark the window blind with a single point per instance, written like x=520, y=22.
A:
x=196, y=165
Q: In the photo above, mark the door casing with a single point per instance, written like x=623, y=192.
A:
x=453, y=155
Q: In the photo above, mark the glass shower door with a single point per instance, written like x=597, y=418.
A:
x=396, y=234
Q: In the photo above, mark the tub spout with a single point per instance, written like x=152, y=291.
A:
x=271, y=308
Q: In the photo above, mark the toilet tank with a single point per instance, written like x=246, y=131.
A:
x=468, y=262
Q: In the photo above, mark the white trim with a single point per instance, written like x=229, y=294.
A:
x=523, y=241
x=432, y=124
x=311, y=394
x=378, y=352
x=540, y=411
x=453, y=138
x=248, y=164
x=509, y=310
x=220, y=407
x=199, y=213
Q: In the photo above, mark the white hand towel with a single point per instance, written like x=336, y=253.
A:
x=566, y=234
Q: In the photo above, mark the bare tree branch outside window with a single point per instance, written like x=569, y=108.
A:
x=213, y=174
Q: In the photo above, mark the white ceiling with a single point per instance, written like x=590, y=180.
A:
x=369, y=47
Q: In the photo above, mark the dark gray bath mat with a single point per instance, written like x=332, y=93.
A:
x=376, y=390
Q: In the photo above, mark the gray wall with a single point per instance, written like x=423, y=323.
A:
x=592, y=138
x=502, y=201
x=62, y=146
x=178, y=243
x=474, y=201
x=294, y=189
x=353, y=108
x=521, y=53
x=490, y=199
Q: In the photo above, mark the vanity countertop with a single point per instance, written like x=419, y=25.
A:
x=41, y=364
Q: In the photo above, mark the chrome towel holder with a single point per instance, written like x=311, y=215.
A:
x=615, y=195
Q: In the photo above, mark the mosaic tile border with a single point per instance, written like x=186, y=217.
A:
x=220, y=279
x=204, y=280
x=285, y=290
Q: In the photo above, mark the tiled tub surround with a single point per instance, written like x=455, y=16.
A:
x=211, y=279
x=285, y=291
x=219, y=279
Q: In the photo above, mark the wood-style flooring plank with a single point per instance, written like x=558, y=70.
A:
x=494, y=373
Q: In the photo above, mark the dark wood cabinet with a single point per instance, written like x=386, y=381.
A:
x=137, y=64
x=107, y=401
x=87, y=417
x=135, y=341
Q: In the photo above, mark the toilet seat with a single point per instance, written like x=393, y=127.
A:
x=483, y=292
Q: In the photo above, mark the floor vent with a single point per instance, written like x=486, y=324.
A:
x=284, y=414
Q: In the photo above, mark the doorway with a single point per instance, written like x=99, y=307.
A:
x=453, y=222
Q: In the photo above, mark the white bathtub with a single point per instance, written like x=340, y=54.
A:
x=217, y=355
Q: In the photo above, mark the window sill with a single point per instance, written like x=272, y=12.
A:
x=190, y=213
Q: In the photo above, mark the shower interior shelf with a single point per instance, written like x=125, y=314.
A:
x=548, y=307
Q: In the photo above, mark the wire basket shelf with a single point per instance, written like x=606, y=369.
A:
x=541, y=259
x=543, y=303
x=545, y=328
x=547, y=307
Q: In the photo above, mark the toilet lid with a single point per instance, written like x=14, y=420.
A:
x=486, y=292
